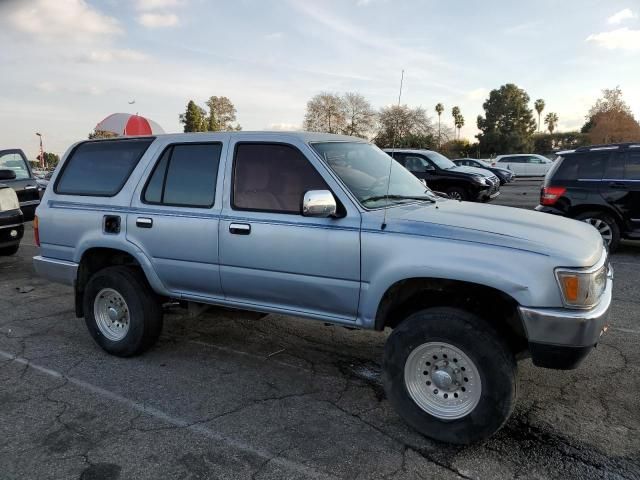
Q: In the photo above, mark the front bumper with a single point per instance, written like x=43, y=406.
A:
x=559, y=337
x=11, y=228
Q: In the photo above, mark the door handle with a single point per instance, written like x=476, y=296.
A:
x=618, y=185
x=144, y=222
x=30, y=187
x=240, y=228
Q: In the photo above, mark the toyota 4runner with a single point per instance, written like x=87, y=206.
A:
x=329, y=228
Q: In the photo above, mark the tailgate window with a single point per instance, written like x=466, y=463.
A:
x=100, y=169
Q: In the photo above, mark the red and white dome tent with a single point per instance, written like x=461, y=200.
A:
x=129, y=124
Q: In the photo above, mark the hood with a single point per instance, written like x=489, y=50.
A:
x=572, y=243
x=471, y=171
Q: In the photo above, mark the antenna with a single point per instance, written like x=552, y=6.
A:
x=392, y=157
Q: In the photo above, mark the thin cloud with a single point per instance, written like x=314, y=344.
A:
x=112, y=55
x=274, y=36
x=146, y=5
x=621, y=16
x=63, y=19
x=158, y=20
x=624, y=39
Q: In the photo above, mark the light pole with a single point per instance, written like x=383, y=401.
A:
x=42, y=165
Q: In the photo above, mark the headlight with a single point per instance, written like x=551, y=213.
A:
x=481, y=180
x=582, y=288
x=8, y=200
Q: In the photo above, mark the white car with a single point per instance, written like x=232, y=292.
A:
x=524, y=164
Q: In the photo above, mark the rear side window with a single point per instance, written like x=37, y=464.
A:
x=580, y=166
x=632, y=166
x=185, y=176
x=272, y=178
x=512, y=160
x=14, y=161
x=100, y=169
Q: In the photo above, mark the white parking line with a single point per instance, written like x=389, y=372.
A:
x=625, y=330
x=173, y=420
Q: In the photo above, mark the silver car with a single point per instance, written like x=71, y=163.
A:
x=330, y=228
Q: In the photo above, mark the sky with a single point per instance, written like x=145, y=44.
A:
x=66, y=64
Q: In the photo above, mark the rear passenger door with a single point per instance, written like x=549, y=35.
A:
x=175, y=218
x=621, y=187
x=270, y=254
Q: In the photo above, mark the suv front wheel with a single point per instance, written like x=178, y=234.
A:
x=450, y=375
x=121, y=311
x=606, y=226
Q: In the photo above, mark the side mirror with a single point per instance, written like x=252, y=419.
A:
x=429, y=168
x=7, y=175
x=319, y=203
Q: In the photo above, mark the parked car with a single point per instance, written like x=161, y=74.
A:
x=441, y=174
x=504, y=175
x=24, y=183
x=599, y=185
x=11, y=220
x=524, y=165
x=329, y=228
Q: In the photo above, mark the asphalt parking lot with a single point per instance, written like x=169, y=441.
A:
x=227, y=395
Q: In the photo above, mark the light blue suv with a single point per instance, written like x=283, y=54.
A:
x=330, y=228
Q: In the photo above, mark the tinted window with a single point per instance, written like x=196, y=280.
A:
x=534, y=160
x=272, y=177
x=185, y=176
x=512, y=160
x=632, y=166
x=580, y=166
x=100, y=168
x=415, y=164
x=15, y=162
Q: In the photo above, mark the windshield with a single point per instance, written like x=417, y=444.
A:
x=484, y=163
x=364, y=169
x=440, y=160
x=14, y=161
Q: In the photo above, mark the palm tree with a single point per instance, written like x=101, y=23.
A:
x=551, y=121
x=539, y=106
x=459, y=124
x=439, y=110
x=455, y=111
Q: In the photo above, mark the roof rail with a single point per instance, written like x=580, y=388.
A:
x=609, y=146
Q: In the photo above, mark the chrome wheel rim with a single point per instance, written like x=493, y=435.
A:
x=112, y=314
x=455, y=196
x=442, y=380
x=603, y=227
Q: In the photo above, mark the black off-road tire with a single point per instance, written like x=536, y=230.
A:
x=8, y=251
x=457, y=191
x=611, y=223
x=145, y=311
x=493, y=359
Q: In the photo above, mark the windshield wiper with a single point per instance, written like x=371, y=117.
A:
x=397, y=197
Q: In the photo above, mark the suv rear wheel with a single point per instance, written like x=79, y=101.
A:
x=121, y=311
x=450, y=375
x=606, y=225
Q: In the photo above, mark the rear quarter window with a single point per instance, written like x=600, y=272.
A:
x=585, y=166
x=100, y=168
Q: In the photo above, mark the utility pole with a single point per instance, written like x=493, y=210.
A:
x=42, y=164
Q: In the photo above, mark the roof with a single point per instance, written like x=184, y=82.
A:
x=608, y=146
x=407, y=150
x=304, y=136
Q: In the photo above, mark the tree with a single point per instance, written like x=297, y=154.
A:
x=539, y=106
x=455, y=111
x=359, y=116
x=610, y=119
x=401, y=126
x=551, y=121
x=193, y=118
x=222, y=115
x=546, y=143
x=459, y=123
x=439, y=110
x=96, y=134
x=51, y=160
x=326, y=112
x=508, y=124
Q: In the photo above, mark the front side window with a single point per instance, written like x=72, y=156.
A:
x=15, y=162
x=272, y=177
x=364, y=169
x=185, y=176
x=100, y=168
x=415, y=164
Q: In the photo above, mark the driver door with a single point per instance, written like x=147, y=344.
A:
x=270, y=254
